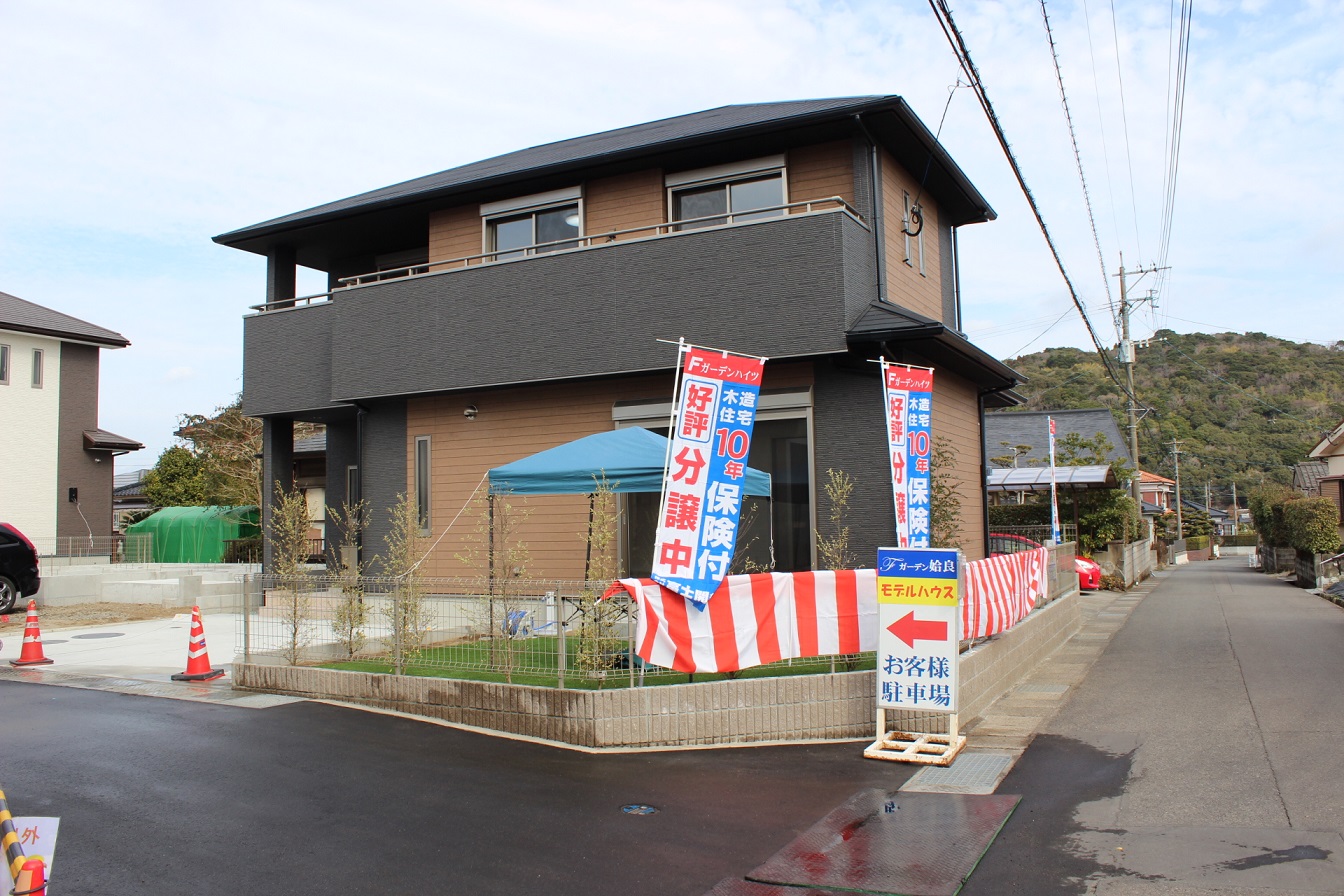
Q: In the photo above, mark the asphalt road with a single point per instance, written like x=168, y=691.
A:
x=184, y=799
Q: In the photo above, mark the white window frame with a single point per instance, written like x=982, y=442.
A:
x=493, y=212
x=727, y=174
x=39, y=363
x=424, y=482
x=5, y=357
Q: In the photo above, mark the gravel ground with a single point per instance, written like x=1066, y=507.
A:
x=74, y=615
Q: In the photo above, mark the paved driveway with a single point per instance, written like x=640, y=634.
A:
x=188, y=799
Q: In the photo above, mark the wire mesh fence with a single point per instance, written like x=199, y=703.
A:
x=521, y=631
x=133, y=547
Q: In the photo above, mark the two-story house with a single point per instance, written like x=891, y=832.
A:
x=1330, y=451
x=57, y=462
x=484, y=313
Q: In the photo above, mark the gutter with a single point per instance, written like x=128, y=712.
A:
x=879, y=218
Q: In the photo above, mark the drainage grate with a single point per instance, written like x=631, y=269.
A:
x=969, y=773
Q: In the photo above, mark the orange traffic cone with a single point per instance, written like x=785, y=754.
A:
x=32, y=879
x=31, y=655
x=198, y=660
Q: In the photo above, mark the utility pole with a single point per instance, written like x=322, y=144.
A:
x=1176, y=452
x=1127, y=358
x=1236, y=511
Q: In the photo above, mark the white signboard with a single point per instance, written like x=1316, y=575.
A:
x=918, y=613
x=38, y=838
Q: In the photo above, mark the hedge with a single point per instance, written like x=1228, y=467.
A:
x=1197, y=543
x=1311, y=525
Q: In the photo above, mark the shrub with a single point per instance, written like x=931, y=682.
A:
x=1001, y=515
x=1311, y=525
x=1264, y=502
x=1196, y=542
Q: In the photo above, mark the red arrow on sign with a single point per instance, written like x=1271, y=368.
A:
x=909, y=629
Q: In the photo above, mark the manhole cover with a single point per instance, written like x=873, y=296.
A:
x=53, y=641
x=91, y=635
x=638, y=809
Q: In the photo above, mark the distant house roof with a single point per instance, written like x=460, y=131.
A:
x=891, y=121
x=1331, y=445
x=1146, y=477
x=311, y=446
x=1037, y=479
x=1307, y=476
x=1031, y=428
x=21, y=316
x=1213, y=512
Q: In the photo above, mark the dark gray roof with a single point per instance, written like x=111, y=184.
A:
x=1031, y=428
x=883, y=322
x=1307, y=476
x=22, y=316
x=102, y=440
x=712, y=125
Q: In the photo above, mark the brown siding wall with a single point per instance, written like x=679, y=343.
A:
x=624, y=202
x=87, y=471
x=956, y=416
x=905, y=285
x=826, y=169
x=510, y=425
x=455, y=233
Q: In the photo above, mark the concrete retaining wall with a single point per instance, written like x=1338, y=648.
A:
x=805, y=707
x=213, y=586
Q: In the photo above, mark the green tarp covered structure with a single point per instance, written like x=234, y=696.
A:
x=197, y=534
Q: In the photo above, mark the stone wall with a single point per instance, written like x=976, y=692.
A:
x=794, y=708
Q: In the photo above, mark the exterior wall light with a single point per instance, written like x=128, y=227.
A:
x=470, y=412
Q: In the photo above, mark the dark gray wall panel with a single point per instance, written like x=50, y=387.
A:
x=383, y=472
x=776, y=288
x=851, y=436
x=287, y=360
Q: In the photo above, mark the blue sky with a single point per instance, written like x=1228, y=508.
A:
x=133, y=132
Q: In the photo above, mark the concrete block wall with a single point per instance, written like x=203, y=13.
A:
x=213, y=586
x=841, y=706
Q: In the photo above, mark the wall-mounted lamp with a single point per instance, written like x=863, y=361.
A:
x=470, y=412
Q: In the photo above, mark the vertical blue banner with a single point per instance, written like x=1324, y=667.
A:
x=705, y=482
x=908, y=394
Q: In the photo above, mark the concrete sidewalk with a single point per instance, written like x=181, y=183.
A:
x=1199, y=754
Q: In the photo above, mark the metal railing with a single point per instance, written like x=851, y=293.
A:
x=649, y=231
x=522, y=631
x=1038, y=534
x=135, y=547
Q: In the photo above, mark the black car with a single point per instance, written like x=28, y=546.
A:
x=18, y=567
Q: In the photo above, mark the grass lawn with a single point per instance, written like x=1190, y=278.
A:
x=535, y=662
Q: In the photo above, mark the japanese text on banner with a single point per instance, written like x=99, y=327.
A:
x=702, y=493
x=908, y=395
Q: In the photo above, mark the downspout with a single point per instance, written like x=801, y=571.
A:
x=879, y=219
x=984, y=466
x=352, y=500
x=956, y=280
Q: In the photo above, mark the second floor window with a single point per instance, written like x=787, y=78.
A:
x=527, y=225
x=4, y=365
x=530, y=232
x=727, y=194
x=37, y=368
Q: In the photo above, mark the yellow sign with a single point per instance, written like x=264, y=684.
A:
x=925, y=592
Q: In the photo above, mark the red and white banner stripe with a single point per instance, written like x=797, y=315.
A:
x=757, y=619
x=1001, y=590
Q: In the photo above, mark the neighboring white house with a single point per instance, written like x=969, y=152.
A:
x=57, y=462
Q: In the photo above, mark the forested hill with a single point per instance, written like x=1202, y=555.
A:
x=1244, y=408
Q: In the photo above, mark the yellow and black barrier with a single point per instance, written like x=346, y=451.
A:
x=29, y=875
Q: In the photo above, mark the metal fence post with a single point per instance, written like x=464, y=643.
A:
x=247, y=618
x=560, y=625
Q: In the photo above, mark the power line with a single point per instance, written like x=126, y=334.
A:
x=958, y=44
x=1077, y=154
x=1124, y=118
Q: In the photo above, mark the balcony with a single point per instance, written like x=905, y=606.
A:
x=781, y=286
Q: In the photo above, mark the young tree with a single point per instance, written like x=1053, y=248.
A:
x=944, y=501
x=352, y=613
x=287, y=536
x=598, y=643
x=406, y=614
x=833, y=551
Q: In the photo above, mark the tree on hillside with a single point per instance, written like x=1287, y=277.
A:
x=220, y=463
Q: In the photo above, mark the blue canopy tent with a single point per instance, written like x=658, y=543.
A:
x=630, y=460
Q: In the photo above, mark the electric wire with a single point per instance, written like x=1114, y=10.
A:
x=1124, y=119
x=945, y=21
x=1101, y=126
x=1077, y=153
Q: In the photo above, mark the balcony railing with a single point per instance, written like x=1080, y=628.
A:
x=651, y=231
